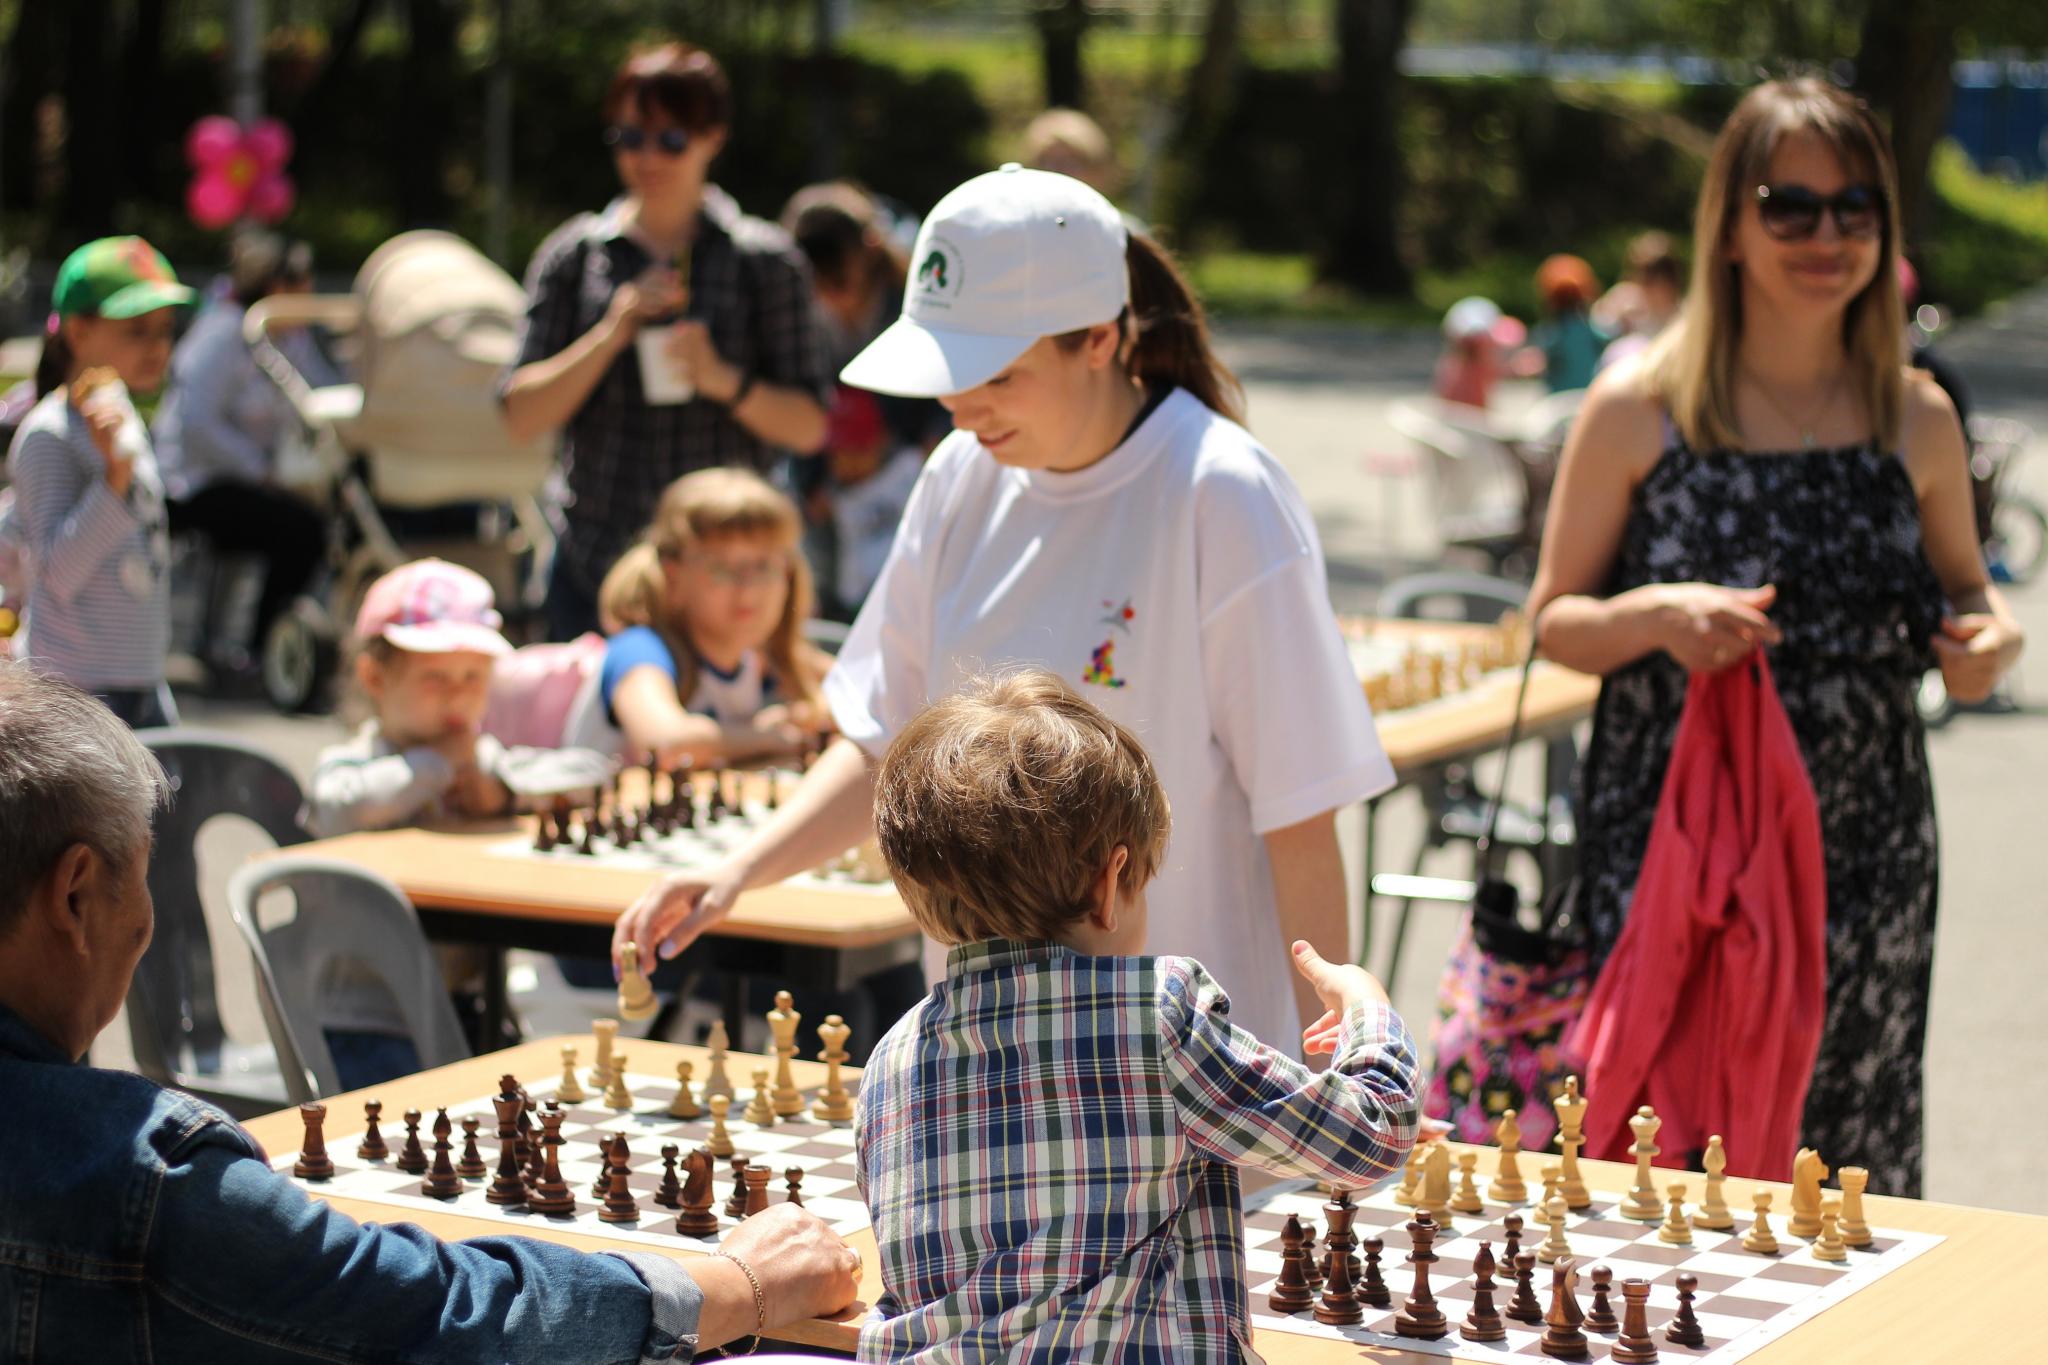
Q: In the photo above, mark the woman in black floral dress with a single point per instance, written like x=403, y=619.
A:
x=1770, y=476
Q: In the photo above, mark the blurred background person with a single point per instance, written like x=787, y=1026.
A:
x=1644, y=301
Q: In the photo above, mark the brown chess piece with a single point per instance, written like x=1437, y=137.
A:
x=736, y=1206
x=1511, y=1249
x=670, y=1195
x=601, y=1186
x=1290, y=1293
x=313, y=1162
x=1372, y=1289
x=412, y=1158
x=619, y=1204
x=1523, y=1307
x=1635, y=1346
x=471, y=1167
x=1685, y=1327
x=508, y=1187
x=372, y=1147
x=1600, y=1317
x=1562, y=1336
x=697, y=1219
x=1338, y=1305
x=1483, y=1322
x=441, y=1181
x=1419, y=1316
x=793, y=1182
x=552, y=1194
x=757, y=1190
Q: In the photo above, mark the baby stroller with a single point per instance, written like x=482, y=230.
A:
x=413, y=459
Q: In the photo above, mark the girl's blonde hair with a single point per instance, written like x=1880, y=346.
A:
x=1691, y=368
x=696, y=509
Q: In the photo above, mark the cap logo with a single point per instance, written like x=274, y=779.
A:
x=939, y=274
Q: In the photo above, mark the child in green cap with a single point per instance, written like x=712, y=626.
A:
x=89, y=503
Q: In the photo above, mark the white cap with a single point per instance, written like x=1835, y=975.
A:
x=1007, y=258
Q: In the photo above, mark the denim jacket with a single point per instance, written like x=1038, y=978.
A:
x=137, y=1224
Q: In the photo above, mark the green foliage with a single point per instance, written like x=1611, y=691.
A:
x=1989, y=236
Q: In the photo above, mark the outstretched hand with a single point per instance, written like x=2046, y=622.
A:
x=1339, y=985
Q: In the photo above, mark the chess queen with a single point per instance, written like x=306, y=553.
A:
x=1099, y=511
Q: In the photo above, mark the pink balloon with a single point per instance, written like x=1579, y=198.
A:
x=270, y=198
x=213, y=200
x=270, y=142
x=212, y=140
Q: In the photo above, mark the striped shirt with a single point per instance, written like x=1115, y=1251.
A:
x=749, y=285
x=99, y=611
x=1048, y=1146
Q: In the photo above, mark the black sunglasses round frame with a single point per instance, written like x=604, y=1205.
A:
x=1792, y=213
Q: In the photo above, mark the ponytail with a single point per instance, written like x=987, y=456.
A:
x=53, y=368
x=632, y=591
x=1170, y=332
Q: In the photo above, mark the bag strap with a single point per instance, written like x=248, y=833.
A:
x=1484, y=850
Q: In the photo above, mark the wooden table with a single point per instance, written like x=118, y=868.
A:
x=1964, y=1300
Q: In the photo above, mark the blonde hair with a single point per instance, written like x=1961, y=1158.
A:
x=698, y=508
x=997, y=808
x=1691, y=368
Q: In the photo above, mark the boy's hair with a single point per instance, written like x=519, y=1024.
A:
x=998, y=807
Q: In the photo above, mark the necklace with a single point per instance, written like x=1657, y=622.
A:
x=1803, y=427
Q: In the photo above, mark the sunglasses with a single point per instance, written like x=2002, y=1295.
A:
x=624, y=137
x=1791, y=213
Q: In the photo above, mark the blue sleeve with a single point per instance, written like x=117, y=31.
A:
x=626, y=651
x=243, y=1249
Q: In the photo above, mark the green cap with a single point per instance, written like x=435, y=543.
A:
x=117, y=277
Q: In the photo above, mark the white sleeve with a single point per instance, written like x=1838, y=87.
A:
x=879, y=681
x=1286, y=705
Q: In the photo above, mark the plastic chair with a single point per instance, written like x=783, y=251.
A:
x=344, y=913
x=1455, y=808
x=174, y=1022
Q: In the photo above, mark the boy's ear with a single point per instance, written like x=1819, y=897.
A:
x=1103, y=897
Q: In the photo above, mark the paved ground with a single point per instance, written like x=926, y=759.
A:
x=1320, y=398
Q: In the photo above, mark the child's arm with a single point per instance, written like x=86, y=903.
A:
x=651, y=718
x=1243, y=1102
x=352, y=789
x=78, y=520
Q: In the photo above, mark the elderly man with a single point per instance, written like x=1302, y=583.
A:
x=137, y=1223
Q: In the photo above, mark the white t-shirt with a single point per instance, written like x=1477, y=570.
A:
x=1178, y=584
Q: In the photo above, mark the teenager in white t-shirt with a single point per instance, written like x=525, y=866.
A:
x=1098, y=511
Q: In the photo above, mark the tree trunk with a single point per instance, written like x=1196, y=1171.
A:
x=92, y=165
x=1212, y=84
x=426, y=112
x=141, y=97
x=28, y=73
x=1903, y=67
x=319, y=108
x=1363, y=249
x=1060, y=29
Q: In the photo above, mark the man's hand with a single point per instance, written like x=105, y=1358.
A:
x=691, y=347
x=675, y=910
x=805, y=1270
x=654, y=293
x=1339, y=985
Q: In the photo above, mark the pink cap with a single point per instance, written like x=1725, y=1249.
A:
x=433, y=607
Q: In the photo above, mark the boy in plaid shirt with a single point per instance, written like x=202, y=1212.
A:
x=1049, y=1142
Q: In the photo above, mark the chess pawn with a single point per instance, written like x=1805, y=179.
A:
x=1855, y=1231
x=670, y=1193
x=720, y=1141
x=760, y=1109
x=1677, y=1229
x=1685, y=1327
x=1642, y=1203
x=1760, y=1239
x=716, y=1082
x=1371, y=1285
x=1507, y=1186
x=471, y=1167
x=1600, y=1317
x=606, y=1031
x=1467, y=1200
x=835, y=1105
x=1829, y=1246
x=793, y=1184
x=1554, y=1247
x=684, y=1105
x=1713, y=1214
x=571, y=1090
x=1523, y=1307
x=372, y=1147
x=616, y=1096
x=412, y=1158
x=636, y=992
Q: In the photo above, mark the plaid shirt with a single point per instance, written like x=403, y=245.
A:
x=748, y=283
x=1048, y=1147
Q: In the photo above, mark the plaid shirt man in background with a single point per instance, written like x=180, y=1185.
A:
x=1048, y=1144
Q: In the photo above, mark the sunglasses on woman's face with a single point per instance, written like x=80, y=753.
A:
x=624, y=137
x=1791, y=213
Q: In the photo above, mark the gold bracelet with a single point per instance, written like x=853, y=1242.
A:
x=760, y=1303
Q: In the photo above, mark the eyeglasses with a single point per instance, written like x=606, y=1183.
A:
x=624, y=137
x=742, y=573
x=1791, y=213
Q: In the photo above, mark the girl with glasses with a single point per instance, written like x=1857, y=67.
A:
x=1770, y=476
x=736, y=371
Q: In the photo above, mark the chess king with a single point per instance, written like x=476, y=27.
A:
x=254, y=1261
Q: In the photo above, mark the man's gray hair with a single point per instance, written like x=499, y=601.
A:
x=70, y=773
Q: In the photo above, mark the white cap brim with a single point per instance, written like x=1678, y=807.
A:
x=448, y=637
x=913, y=360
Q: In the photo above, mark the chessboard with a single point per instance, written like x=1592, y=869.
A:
x=648, y=820
x=823, y=1152
x=1407, y=664
x=1743, y=1300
